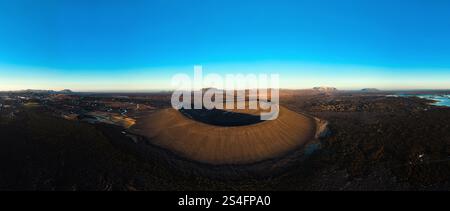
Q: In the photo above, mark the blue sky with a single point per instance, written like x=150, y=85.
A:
x=139, y=45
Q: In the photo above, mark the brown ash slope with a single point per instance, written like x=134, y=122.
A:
x=218, y=144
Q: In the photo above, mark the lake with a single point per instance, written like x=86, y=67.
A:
x=440, y=99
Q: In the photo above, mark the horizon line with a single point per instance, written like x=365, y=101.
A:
x=171, y=90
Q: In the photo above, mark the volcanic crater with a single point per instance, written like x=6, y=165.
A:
x=227, y=136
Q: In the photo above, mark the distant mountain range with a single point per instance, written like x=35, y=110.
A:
x=39, y=91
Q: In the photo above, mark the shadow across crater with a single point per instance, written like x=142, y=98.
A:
x=221, y=117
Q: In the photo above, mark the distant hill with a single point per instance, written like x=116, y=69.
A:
x=325, y=89
x=370, y=90
x=66, y=91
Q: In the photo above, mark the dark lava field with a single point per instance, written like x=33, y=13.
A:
x=374, y=143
